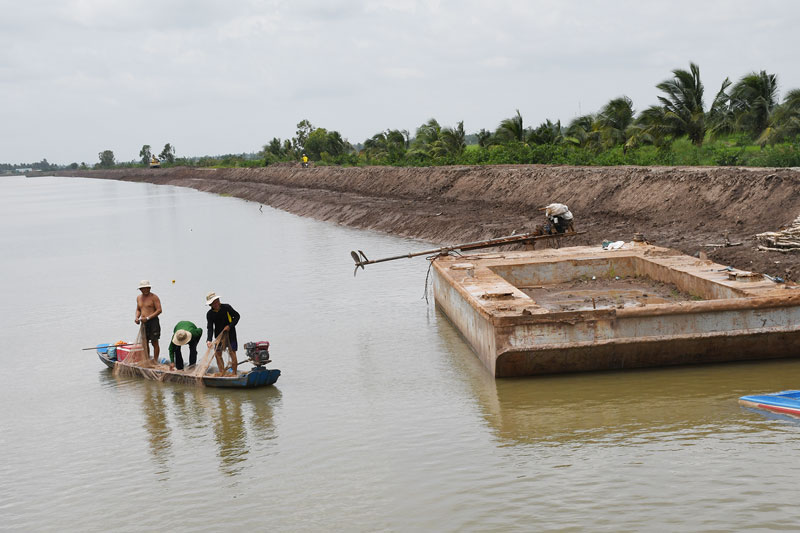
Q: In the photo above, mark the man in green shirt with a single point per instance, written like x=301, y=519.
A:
x=185, y=332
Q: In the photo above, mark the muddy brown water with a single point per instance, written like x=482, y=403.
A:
x=691, y=209
x=383, y=419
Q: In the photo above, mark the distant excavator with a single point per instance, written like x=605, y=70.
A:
x=154, y=162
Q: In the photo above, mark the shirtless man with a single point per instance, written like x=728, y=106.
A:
x=148, y=307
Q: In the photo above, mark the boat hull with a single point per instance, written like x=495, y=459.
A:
x=257, y=377
x=784, y=402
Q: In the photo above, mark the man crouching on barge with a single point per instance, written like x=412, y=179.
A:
x=148, y=307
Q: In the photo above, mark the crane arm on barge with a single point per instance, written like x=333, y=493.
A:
x=361, y=259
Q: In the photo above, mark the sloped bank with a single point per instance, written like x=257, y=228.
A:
x=680, y=207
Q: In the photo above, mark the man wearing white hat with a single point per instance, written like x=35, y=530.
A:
x=148, y=307
x=222, y=318
x=185, y=332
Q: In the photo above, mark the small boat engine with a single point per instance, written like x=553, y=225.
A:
x=257, y=352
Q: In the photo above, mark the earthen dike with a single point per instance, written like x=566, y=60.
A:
x=684, y=208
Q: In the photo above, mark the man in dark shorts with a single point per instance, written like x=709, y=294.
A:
x=148, y=307
x=222, y=318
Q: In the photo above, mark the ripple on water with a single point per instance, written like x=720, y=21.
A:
x=383, y=418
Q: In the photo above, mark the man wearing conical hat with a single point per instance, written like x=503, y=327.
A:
x=184, y=333
x=148, y=307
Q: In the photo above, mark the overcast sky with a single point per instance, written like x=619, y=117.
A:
x=214, y=77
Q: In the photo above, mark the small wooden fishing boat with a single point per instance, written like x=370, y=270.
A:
x=785, y=402
x=114, y=358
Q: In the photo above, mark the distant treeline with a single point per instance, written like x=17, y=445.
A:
x=746, y=124
x=41, y=165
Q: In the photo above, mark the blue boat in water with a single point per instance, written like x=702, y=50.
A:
x=785, y=402
x=259, y=376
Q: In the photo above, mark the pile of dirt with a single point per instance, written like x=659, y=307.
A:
x=685, y=208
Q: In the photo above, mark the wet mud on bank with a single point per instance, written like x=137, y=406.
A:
x=685, y=208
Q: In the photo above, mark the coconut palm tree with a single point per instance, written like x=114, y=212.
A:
x=511, y=129
x=453, y=140
x=484, y=137
x=784, y=122
x=547, y=133
x=753, y=98
x=426, y=137
x=582, y=131
x=683, y=104
x=650, y=127
x=721, y=118
x=614, y=119
x=388, y=146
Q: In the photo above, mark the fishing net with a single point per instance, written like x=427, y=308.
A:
x=138, y=352
x=220, y=343
x=138, y=363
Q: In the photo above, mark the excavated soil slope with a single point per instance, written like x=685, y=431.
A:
x=680, y=207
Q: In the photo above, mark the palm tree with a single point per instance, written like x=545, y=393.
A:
x=614, y=119
x=753, y=98
x=547, y=133
x=453, y=140
x=683, y=104
x=336, y=145
x=784, y=122
x=389, y=146
x=650, y=127
x=484, y=138
x=511, y=129
x=582, y=131
x=426, y=137
x=721, y=117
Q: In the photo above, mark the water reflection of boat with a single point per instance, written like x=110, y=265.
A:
x=785, y=402
x=258, y=376
x=239, y=427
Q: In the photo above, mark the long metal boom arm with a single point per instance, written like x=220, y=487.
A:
x=361, y=259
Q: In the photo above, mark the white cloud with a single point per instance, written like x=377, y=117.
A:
x=401, y=73
x=229, y=76
x=497, y=62
x=406, y=6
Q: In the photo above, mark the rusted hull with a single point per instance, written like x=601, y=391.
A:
x=721, y=319
x=653, y=353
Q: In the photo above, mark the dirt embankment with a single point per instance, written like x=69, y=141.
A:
x=679, y=207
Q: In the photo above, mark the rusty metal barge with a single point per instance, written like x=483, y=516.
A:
x=588, y=308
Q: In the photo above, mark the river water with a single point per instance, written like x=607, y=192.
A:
x=382, y=420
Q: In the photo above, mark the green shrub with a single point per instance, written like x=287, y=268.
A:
x=779, y=155
x=727, y=155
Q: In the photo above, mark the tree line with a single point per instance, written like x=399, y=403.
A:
x=745, y=124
